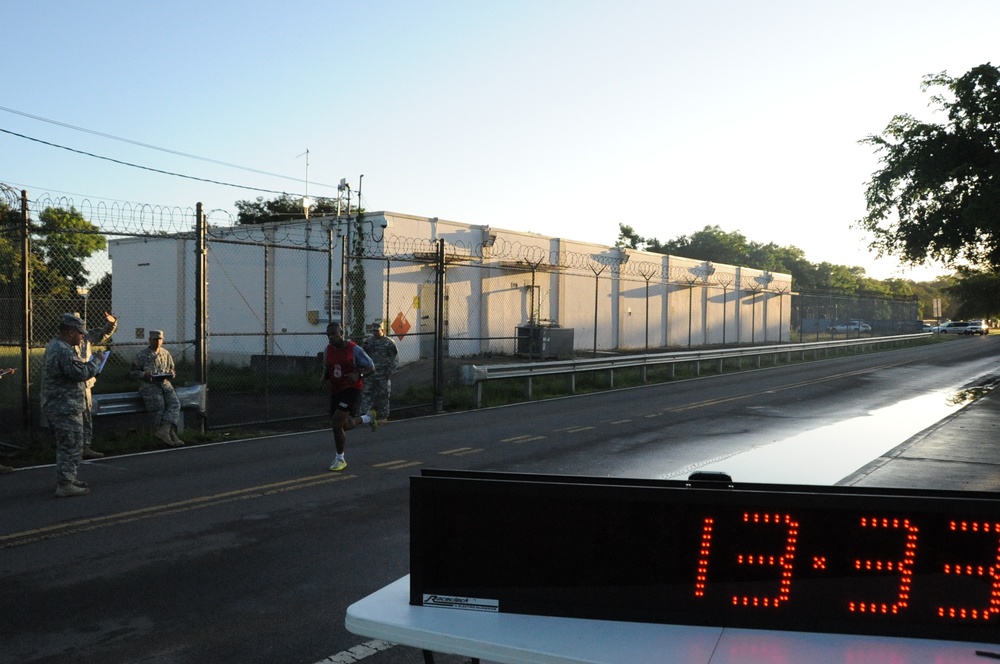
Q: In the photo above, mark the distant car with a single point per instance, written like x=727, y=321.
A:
x=953, y=327
x=927, y=327
x=850, y=326
x=977, y=327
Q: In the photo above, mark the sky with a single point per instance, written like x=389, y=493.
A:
x=561, y=117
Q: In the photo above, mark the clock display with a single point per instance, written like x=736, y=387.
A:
x=833, y=559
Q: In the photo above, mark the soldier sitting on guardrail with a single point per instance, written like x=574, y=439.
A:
x=154, y=367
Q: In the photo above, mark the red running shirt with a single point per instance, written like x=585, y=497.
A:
x=338, y=362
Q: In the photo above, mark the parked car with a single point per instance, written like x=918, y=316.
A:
x=953, y=327
x=850, y=326
x=978, y=327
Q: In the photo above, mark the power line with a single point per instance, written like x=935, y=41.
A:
x=154, y=147
x=139, y=166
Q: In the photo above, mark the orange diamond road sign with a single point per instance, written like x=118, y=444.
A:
x=400, y=326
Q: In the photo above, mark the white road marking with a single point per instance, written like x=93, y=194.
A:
x=357, y=653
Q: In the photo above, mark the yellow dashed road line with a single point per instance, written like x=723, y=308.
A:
x=521, y=439
x=398, y=464
x=95, y=523
x=462, y=451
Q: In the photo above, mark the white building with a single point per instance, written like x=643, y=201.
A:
x=269, y=294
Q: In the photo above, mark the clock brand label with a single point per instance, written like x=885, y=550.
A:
x=464, y=603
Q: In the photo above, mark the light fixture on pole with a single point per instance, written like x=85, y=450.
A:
x=83, y=292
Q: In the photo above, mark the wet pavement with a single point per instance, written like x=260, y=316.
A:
x=961, y=453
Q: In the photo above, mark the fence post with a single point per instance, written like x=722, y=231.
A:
x=201, y=303
x=597, y=299
x=26, y=321
x=439, y=329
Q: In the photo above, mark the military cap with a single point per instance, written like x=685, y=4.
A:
x=74, y=322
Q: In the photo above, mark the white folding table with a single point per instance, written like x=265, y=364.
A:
x=528, y=639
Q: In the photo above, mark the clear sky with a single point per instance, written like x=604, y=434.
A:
x=562, y=117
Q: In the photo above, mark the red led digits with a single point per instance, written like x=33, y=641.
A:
x=902, y=567
x=706, y=547
x=992, y=572
x=783, y=562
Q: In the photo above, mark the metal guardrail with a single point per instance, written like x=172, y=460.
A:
x=192, y=397
x=476, y=375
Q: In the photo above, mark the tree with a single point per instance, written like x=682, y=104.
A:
x=937, y=192
x=716, y=245
x=61, y=241
x=629, y=239
x=285, y=208
x=978, y=293
x=709, y=244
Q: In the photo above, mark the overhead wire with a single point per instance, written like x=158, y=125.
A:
x=139, y=166
x=158, y=148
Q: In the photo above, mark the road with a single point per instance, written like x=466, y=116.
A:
x=251, y=551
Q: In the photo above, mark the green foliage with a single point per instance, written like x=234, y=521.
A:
x=716, y=245
x=61, y=242
x=64, y=239
x=711, y=244
x=979, y=295
x=937, y=192
x=286, y=208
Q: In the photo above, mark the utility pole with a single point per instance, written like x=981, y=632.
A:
x=344, y=244
x=306, y=203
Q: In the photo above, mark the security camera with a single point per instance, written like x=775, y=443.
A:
x=384, y=222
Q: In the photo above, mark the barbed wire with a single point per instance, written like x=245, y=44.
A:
x=325, y=234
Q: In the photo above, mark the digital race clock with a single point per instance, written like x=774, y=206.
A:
x=831, y=559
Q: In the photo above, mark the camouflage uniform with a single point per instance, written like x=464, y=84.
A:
x=378, y=388
x=95, y=337
x=158, y=394
x=64, y=399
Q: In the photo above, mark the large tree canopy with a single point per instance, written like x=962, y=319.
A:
x=937, y=192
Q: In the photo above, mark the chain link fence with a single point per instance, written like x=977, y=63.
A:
x=244, y=307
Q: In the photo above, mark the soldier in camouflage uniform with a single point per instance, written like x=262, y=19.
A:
x=154, y=367
x=64, y=379
x=385, y=355
x=97, y=336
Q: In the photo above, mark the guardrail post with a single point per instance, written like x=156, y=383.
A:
x=527, y=387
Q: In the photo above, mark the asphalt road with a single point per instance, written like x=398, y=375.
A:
x=251, y=551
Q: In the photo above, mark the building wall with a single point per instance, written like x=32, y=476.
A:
x=274, y=277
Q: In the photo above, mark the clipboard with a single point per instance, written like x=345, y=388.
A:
x=100, y=367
